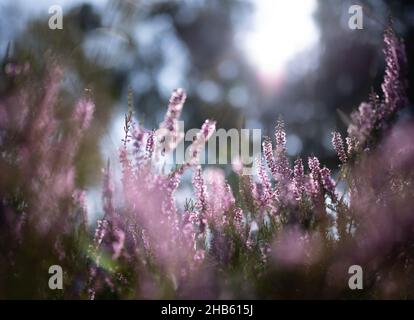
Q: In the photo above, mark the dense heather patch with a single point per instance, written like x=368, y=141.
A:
x=287, y=232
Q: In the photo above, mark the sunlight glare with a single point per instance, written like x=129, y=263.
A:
x=280, y=29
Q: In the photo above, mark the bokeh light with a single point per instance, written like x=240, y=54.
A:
x=280, y=30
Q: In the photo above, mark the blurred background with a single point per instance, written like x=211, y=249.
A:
x=243, y=63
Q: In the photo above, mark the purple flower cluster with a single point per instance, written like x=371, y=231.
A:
x=377, y=113
x=225, y=242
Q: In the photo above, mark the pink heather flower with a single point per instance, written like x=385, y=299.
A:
x=269, y=156
x=298, y=178
x=327, y=181
x=266, y=191
x=192, y=217
x=100, y=231
x=170, y=134
x=394, y=85
x=280, y=136
x=367, y=118
x=314, y=166
x=338, y=145
x=175, y=105
x=282, y=163
x=149, y=148
x=374, y=114
x=207, y=130
x=238, y=219
x=138, y=135
x=44, y=120
x=83, y=113
x=313, y=185
x=139, y=146
x=168, y=206
x=220, y=198
x=123, y=157
x=363, y=121
x=237, y=165
x=200, y=191
x=351, y=145
x=188, y=232
x=249, y=192
x=185, y=218
x=294, y=247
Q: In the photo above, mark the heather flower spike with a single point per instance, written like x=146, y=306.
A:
x=394, y=84
x=280, y=136
x=327, y=181
x=200, y=190
x=376, y=114
x=195, y=149
x=170, y=135
x=314, y=182
x=269, y=156
x=338, y=145
x=175, y=107
x=298, y=179
x=150, y=144
x=265, y=182
x=282, y=163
